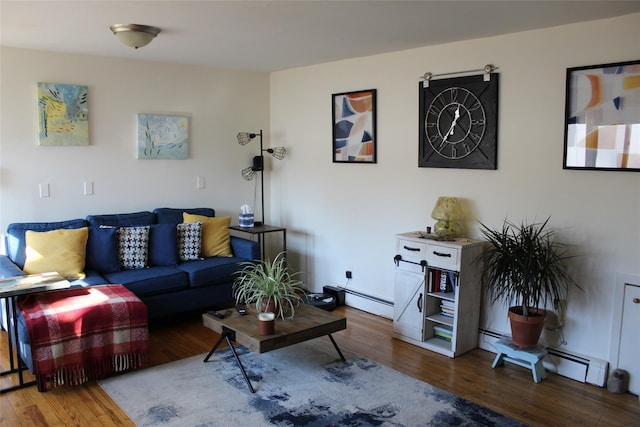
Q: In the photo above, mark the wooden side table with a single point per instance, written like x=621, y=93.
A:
x=530, y=358
x=260, y=231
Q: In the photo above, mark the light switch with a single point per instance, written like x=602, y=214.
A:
x=200, y=182
x=88, y=188
x=44, y=190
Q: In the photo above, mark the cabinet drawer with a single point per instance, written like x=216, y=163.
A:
x=411, y=250
x=443, y=256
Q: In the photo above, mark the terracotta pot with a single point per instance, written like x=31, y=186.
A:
x=526, y=330
x=268, y=306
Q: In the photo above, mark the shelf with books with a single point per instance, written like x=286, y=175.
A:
x=442, y=302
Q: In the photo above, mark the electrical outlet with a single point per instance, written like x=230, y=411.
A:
x=348, y=274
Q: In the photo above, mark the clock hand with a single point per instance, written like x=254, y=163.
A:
x=455, y=119
x=456, y=116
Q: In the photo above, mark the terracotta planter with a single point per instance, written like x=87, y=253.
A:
x=268, y=306
x=525, y=331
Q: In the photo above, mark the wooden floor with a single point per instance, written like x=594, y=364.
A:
x=510, y=390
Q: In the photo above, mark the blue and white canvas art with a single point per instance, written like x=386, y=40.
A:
x=163, y=137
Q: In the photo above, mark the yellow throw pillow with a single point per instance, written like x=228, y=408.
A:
x=63, y=251
x=215, y=234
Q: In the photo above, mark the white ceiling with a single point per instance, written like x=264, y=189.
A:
x=277, y=35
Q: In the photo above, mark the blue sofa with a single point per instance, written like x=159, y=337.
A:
x=167, y=286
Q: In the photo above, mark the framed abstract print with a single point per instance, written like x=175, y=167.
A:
x=602, y=117
x=354, y=127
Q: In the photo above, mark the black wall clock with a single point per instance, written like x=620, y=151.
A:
x=459, y=123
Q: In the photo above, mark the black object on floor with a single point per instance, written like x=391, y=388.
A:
x=338, y=293
x=324, y=301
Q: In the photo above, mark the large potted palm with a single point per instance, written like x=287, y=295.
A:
x=525, y=267
x=270, y=286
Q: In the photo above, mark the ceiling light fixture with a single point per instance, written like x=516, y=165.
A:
x=134, y=35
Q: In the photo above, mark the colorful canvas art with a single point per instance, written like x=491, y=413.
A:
x=63, y=114
x=163, y=137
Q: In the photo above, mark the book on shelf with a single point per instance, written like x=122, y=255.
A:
x=447, y=312
x=440, y=337
x=443, y=332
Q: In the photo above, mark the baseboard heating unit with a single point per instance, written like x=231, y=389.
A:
x=578, y=367
x=366, y=302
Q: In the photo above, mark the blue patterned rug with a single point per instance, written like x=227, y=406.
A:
x=301, y=385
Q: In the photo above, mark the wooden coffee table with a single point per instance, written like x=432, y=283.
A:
x=308, y=323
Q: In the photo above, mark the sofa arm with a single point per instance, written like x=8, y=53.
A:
x=8, y=268
x=245, y=248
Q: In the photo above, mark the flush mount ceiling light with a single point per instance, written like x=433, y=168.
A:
x=134, y=35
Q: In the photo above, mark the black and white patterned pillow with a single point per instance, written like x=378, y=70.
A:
x=133, y=247
x=189, y=241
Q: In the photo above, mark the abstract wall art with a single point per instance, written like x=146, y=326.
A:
x=602, y=117
x=354, y=127
x=163, y=137
x=63, y=114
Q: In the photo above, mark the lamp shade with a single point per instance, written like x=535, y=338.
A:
x=448, y=213
x=245, y=137
x=134, y=35
x=447, y=209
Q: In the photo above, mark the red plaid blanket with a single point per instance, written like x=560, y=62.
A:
x=82, y=334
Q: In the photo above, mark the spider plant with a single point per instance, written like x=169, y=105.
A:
x=265, y=282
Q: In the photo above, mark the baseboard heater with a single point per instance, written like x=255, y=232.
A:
x=571, y=365
x=363, y=301
x=369, y=297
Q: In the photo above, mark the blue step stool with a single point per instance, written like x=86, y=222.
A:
x=530, y=358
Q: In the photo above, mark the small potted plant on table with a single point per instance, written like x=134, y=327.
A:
x=270, y=286
x=525, y=267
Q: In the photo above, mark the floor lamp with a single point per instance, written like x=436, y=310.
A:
x=258, y=164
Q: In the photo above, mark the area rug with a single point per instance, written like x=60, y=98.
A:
x=302, y=385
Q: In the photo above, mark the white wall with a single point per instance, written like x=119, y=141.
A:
x=220, y=103
x=344, y=216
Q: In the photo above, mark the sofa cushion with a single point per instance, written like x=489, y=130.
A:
x=189, y=241
x=174, y=216
x=122, y=220
x=63, y=251
x=215, y=234
x=211, y=271
x=150, y=281
x=133, y=247
x=91, y=278
x=15, y=239
x=102, y=250
x=163, y=245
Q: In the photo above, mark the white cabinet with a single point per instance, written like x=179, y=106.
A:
x=437, y=293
